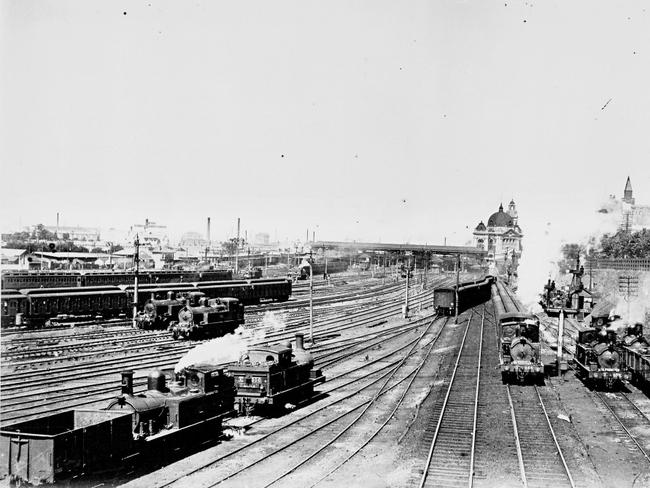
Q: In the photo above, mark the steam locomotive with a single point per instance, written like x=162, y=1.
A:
x=519, y=348
x=210, y=318
x=272, y=376
x=167, y=420
x=159, y=313
x=132, y=429
x=600, y=357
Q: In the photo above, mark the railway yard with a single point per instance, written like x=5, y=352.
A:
x=415, y=401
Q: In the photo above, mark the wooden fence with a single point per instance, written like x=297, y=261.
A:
x=619, y=264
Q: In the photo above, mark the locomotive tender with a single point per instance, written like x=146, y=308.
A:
x=470, y=294
x=167, y=420
x=636, y=356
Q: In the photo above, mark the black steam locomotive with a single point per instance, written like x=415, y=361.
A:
x=519, y=348
x=600, y=358
x=169, y=419
x=273, y=376
x=132, y=429
x=210, y=318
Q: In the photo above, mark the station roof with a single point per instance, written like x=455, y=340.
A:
x=378, y=246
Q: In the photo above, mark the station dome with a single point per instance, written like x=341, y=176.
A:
x=500, y=219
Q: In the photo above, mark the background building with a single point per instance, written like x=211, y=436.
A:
x=501, y=237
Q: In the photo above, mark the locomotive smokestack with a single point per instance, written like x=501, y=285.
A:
x=127, y=382
x=156, y=380
x=299, y=341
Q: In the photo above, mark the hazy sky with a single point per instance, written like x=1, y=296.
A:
x=370, y=119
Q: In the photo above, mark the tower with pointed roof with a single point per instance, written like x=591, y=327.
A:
x=627, y=193
x=512, y=211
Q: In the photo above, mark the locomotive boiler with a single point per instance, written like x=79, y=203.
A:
x=210, y=318
x=599, y=357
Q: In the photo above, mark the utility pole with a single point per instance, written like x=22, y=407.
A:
x=136, y=259
x=405, y=311
x=237, y=248
x=629, y=287
x=311, y=300
x=457, y=285
x=560, y=346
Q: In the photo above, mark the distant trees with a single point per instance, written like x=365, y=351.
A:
x=624, y=244
x=41, y=240
x=231, y=245
x=570, y=253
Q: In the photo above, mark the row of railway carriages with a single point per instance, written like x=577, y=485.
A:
x=18, y=280
x=38, y=305
x=174, y=417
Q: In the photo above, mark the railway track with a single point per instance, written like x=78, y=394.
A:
x=633, y=423
x=338, y=406
x=326, y=425
x=19, y=393
x=541, y=460
x=450, y=460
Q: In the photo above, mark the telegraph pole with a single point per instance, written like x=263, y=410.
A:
x=237, y=248
x=311, y=300
x=629, y=287
x=136, y=259
x=560, y=345
x=406, y=295
x=457, y=285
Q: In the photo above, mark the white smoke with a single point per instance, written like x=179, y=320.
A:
x=542, y=245
x=229, y=348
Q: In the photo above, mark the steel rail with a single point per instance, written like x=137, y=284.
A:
x=444, y=406
x=368, y=405
x=393, y=366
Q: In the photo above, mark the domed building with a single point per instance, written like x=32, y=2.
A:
x=502, y=234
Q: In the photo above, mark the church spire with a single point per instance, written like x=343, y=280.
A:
x=627, y=193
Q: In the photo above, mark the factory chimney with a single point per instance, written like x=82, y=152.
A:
x=208, y=233
x=57, y=225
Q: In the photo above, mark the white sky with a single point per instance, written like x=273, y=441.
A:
x=322, y=115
